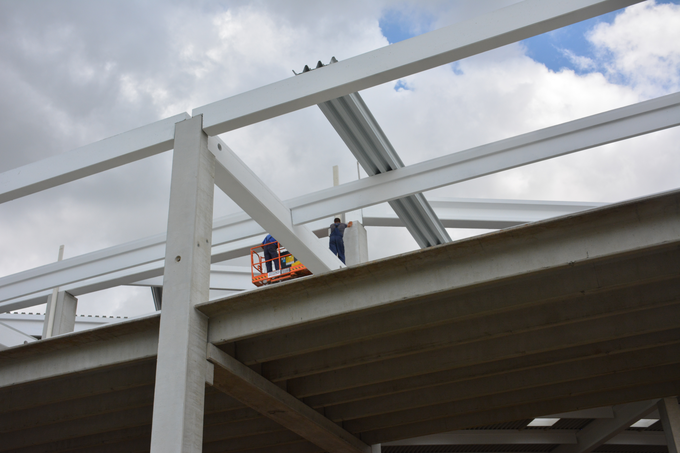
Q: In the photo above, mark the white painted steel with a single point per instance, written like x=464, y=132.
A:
x=427, y=51
x=104, y=155
x=229, y=278
x=353, y=121
x=10, y=336
x=261, y=203
x=481, y=213
x=614, y=125
x=177, y=425
x=135, y=262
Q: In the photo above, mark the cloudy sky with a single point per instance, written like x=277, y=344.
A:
x=76, y=71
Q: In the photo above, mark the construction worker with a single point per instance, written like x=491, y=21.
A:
x=271, y=252
x=336, y=243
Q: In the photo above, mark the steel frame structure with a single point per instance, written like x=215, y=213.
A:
x=186, y=268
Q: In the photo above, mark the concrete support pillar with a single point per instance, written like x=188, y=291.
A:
x=181, y=366
x=376, y=448
x=62, y=313
x=356, y=244
x=669, y=411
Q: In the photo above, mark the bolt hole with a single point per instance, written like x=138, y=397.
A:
x=178, y=258
x=219, y=146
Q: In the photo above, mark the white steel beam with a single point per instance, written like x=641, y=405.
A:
x=600, y=431
x=427, y=51
x=177, y=425
x=104, y=155
x=353, y=121
x=481, y=213
x=231, y=278
x=245, y=385
x=136, y=262
x=12, y=337
x=614, y=125
x=255, y=198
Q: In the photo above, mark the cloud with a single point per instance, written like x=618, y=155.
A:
x=79, y=71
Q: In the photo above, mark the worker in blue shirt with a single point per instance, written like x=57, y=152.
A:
x=271, y=252
x=336, y=243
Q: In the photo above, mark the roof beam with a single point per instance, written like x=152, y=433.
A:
x=600, y=431
x=513, y=256
x=481, y=213
x=242, y=383
x=94, y=158
x=81, y=351
x=352, y=120
x=240, y=184
x=138, y=262
x=596, y=130
x=427, y=51
x=526, y=437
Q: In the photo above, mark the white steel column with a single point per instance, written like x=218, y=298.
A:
x=181, y=368
x=669, y=411
x=61, y=310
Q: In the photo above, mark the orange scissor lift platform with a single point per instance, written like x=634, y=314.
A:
x=288, y=266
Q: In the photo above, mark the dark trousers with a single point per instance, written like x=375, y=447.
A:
x=271, y=252
x=337, y=246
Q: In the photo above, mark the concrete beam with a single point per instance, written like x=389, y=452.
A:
x=79, y=386
x=520, y=378
x=76, y=352
x=670, y=419
x=596, y=130
x=568, y=241
x=600, y=431
x=525, y=437
x=240, y=184
x=554, y=321
x=427, y=51
x=181, y=367
x=471, y=413
x=109, y=153
x=270, y=400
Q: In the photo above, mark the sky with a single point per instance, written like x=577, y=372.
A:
x=75, y=71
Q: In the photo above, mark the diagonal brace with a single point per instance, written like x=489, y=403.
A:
x=237, y=380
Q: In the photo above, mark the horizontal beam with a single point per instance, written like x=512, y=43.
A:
x=614, y=125
x=104, y=155
x=77, y=352
x=577, y=238
x=480, y=213
x=242, y=383
x=526, y=437
x=427, y=51
x=230, y=278
x=141, y=262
